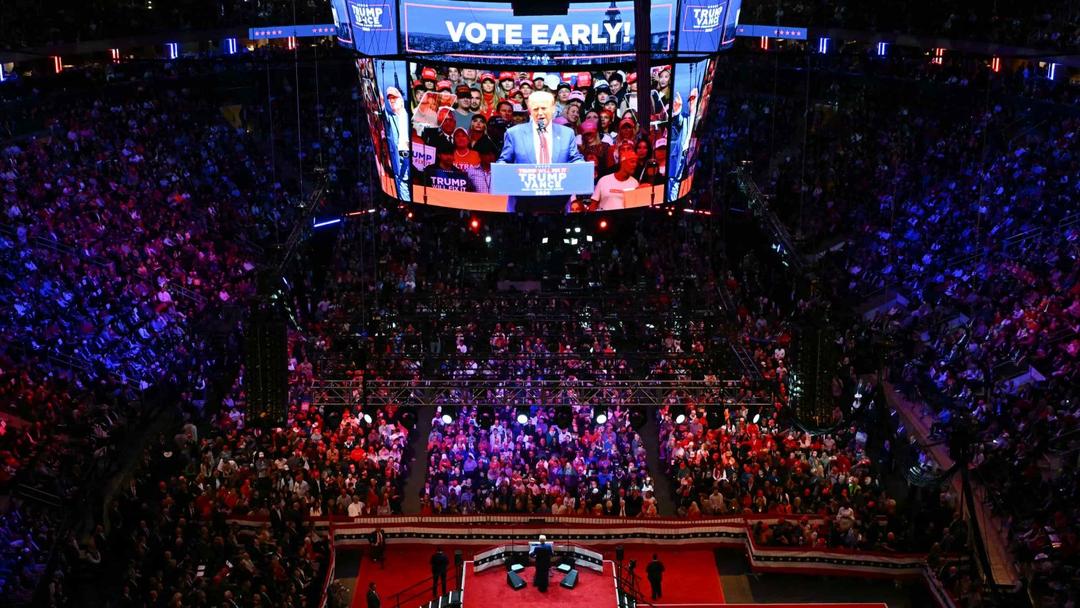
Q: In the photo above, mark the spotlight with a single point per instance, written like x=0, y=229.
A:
x=638, y=417
x=681, y=418
x=601, y=417
x=486, y=416
x=447, y=414
x=487, y=239
x=757, y=417
x=367, y=418
x=474, y=224
x=603, y=224
x=522, y=415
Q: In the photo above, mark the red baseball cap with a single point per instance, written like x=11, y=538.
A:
x=487, y=76
x=429, y=74
x=444, y=85
x=506, y=76
x=584, y=79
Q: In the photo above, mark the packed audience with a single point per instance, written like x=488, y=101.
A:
x=1040, y=24
x=535, y=462
x=972, y=223
x=49, y=425
x=115, y=229
x=29, y=24
x=973, y=226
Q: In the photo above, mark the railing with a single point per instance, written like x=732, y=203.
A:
x=331, y=568
x=731, y=532
x=409, y=596
x=478, y=391
x=628, y=587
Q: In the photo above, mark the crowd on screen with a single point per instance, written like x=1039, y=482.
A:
x=463, y=113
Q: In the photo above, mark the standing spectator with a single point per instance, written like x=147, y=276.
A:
x=378, y=546
x=373, y=600
x=655, y=572
x=439, y=565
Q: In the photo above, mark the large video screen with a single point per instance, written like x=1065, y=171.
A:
x=491, y=33
x=498, y=112
x=686, y=109
x=590, y=31
x=382, y=93
x=463, y=120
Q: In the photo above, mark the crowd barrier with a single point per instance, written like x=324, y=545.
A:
x=735, y=532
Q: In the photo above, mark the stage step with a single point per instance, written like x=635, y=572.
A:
x=450, y=600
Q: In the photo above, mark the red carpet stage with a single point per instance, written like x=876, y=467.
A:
x=690, y=579
x=489, y=588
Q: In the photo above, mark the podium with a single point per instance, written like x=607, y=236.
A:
x=505, y=555
x=555, y=179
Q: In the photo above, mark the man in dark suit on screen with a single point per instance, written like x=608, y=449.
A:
x=540, y=142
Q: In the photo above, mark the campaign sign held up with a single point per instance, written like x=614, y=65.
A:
x=542, y=180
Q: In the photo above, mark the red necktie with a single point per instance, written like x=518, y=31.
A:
x=545, y=154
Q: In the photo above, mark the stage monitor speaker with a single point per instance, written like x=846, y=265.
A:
x=569, y=580
x=516, y=582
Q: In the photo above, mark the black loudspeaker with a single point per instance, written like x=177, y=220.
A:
x=516, y=582
x=266, y=373
x=569, y=580
x=459, y=559
x=619, y=555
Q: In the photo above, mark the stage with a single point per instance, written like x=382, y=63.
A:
x=489, y=588
x=690, y=580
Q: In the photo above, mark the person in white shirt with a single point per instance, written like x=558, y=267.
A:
x=356, y=508
x=610, y=189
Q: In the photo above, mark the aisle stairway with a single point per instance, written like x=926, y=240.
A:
x=410, y=503
x=665, y=503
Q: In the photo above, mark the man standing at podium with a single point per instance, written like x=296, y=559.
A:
x=542, y=553
x=540, y=142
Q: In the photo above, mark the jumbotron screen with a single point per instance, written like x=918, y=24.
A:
x=554, y=125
